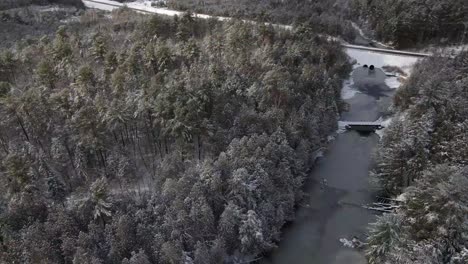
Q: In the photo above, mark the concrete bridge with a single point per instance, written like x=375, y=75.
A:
x=389, y=51
x=363, y=126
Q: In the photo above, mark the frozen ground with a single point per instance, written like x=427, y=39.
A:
x=379, y=59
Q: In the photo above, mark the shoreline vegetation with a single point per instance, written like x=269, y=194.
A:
x=422, y=160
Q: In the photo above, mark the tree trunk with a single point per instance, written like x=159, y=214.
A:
x=22, y=127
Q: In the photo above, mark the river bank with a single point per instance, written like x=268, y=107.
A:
x=334, y=211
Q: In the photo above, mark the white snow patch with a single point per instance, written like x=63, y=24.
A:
x=341, y=127
x=385, y=123
x=347, y=243
x=402, y=197
x=431, y=217
x=380, y=59
x=102, y=5
x=348, y=91
x=393, y=82
x=70, y=20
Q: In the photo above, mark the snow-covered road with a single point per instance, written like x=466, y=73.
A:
x=145, y=7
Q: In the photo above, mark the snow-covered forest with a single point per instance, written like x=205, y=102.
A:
x=136, y=139
x=322, y=16
x=407, y=23
x=423, y=158
x=402, y=23
x=142, y=139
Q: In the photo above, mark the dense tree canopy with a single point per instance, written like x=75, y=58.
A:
x=404, y=23
x=322, y=16
x=409, y=22
x=424, y=155
x=141, y=139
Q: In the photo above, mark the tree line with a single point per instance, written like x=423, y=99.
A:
x=322, y=16
x=423, y=158
x=407, y=23
x=145, y=139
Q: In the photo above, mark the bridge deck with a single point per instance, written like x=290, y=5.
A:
x=361, y=123
x=390, y=51
x=361, y=126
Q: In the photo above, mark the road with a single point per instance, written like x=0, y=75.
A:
x=110, y=5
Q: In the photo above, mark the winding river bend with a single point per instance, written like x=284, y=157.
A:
x=334, y=211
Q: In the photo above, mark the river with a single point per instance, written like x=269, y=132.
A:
x=333, y=210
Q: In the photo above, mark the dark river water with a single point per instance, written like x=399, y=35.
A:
x=334, y=211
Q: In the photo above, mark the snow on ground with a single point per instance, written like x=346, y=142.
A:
x=450, y=50
x=347, y=243
x=145, y=7
x=103, y=5
x=70, y=20
x=393, y=82
x=348, y=92
x=341, y=127
x=379, y=59
x=361, y=32
x=385, y=123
